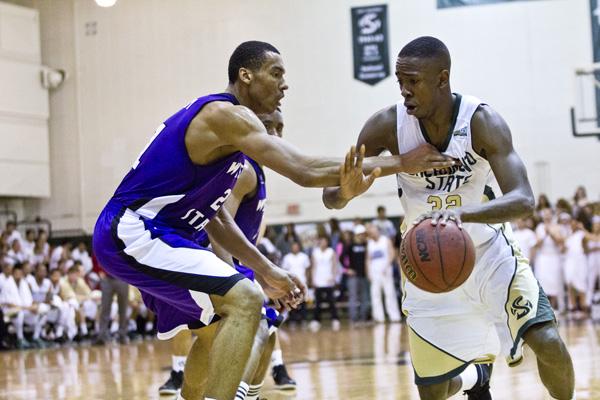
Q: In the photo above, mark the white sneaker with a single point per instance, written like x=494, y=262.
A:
x=314, y=326
x=335, y=325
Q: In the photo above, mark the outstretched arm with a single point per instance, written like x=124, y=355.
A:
x=378, y=135
x=279, y=284
x=239, y=127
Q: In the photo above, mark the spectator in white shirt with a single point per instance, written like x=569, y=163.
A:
x=29, y=243
x=386, y=227
x=16, y=252
x=12, y=233
x=17, y=303
x=323, y=273
x=81, y=254
x=380, y=255
x=526, y=238
x=297, y=262
x=61, y=252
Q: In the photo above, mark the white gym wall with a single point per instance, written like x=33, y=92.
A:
x=134, y=64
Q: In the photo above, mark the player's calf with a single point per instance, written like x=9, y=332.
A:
x=554, y=362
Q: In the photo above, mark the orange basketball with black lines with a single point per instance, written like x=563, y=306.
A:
x=437, y=258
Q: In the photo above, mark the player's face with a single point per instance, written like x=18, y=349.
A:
x=421, y=81
x=273, y=123
x=267, y=85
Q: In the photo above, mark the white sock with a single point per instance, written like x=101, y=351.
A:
x=469, y=377
x=254, y=391
x=277, y=358
x=179, y=396
x=178, y=363
x=242, y=391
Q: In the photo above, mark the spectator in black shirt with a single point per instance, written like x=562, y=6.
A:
x=358, y=284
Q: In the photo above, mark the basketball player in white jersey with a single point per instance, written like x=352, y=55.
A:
x=455, y=336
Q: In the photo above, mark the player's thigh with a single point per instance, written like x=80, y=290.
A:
x=515, y=300
x=442, y=347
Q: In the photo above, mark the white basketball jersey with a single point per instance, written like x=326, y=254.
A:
x=449, y=187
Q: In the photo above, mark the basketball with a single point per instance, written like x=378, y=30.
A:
x=437, y=258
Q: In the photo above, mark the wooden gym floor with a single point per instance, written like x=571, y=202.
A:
x=368, y=362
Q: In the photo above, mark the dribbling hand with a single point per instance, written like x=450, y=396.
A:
x=442, y=217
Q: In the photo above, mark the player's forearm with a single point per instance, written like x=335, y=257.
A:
x=389, y=165
x=221, y=252
x=225, y=233
x=503, y=209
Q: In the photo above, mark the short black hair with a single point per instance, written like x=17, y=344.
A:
x=250, y=55
x=427, y=47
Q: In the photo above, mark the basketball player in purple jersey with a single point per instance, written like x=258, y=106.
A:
x=246, y=204
x=145, y=233
x=455, y=336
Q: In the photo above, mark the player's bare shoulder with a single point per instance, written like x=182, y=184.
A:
x=209, y=135
x=489, y=131
x=379, y=132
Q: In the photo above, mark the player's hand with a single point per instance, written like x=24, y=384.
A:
x=283, y=287
x=426, y=157
x=442, y=217
x=353, y=181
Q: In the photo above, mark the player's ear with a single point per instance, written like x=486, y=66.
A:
x=444, y=78
x=245, y=75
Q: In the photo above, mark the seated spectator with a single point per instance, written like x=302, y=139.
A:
x=40, y=251
x=61, y=252
x=16, y=253
x=29, y=243
x=17, y=303
x=81, y=254
x=88, y=308
x=12, y=233
x=64, y=306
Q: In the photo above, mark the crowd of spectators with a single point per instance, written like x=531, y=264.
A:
x=58, y=294
x=51, y=294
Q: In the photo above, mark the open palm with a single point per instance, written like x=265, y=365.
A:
x=353, y=181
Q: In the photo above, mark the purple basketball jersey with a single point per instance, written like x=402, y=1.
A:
x=167, y=189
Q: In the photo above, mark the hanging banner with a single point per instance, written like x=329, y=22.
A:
x=460, y=3
x=370, y=43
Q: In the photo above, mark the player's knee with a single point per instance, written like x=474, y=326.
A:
x=244, y=299
x=545, y=341
x=438, y=391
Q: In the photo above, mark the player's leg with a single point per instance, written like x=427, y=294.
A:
x=279, y=371
x=196, y=367
x=554, y=362
x=442, y=360
x=391, y=300
x=376, y=286
x=265, y=361
x=108, y=291
x=122, y=290
x=195, y=284
x=180, y=347
x=523, y=314
x=246, y=388
x=335, y=320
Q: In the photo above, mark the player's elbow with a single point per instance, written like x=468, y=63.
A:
x=526, y=205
